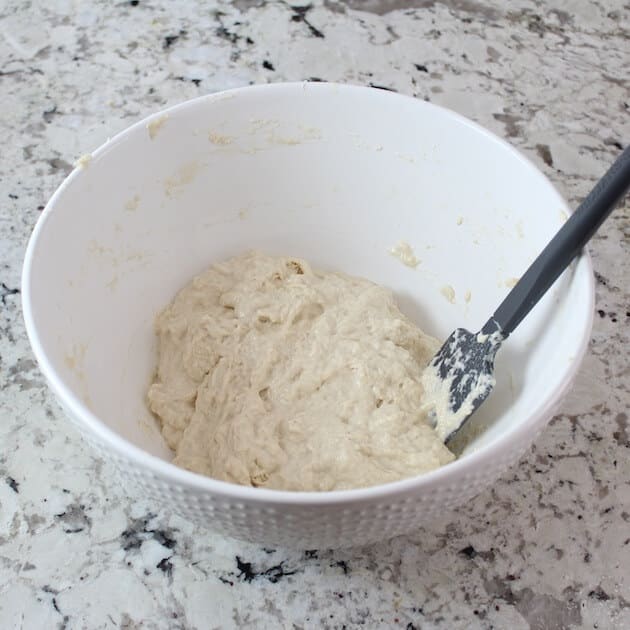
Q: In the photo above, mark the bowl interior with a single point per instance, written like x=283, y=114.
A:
x=336, y=175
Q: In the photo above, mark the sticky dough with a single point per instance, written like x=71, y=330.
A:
x=274, y=375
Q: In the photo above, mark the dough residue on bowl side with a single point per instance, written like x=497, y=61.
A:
x=404, y=252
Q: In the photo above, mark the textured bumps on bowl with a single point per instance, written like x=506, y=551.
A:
x=337, y=175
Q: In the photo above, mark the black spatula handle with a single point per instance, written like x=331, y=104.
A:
x=564, y=246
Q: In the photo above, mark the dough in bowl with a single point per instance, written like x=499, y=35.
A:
x=275, y=375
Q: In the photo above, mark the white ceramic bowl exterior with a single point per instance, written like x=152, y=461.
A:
x=334, y=174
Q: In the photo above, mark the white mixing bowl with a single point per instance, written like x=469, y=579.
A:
x=334, y=174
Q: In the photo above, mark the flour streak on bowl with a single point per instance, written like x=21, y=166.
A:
x=335, y=174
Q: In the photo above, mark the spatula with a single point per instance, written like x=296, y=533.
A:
x=460, y=376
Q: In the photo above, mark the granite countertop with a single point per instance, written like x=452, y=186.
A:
x=548, y=547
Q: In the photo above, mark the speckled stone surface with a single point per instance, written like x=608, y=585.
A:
x=548, y=547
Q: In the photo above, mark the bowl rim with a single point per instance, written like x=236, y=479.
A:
x=459, y=469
